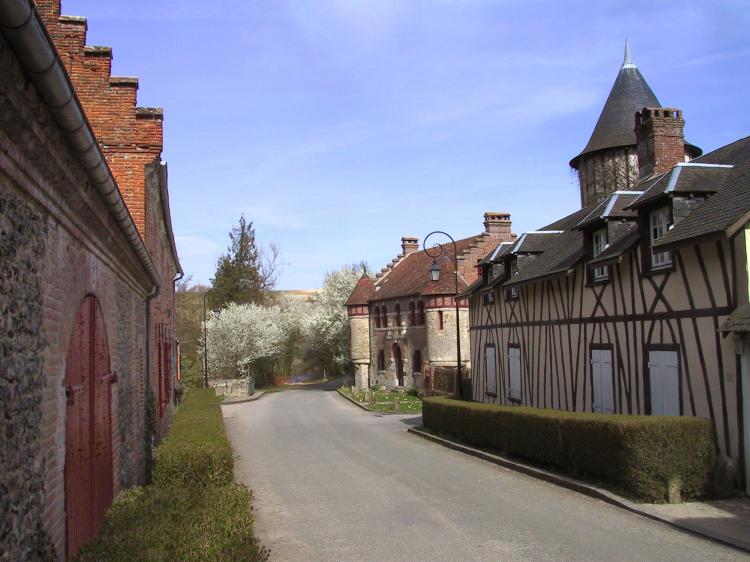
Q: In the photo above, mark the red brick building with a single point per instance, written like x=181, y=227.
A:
x=88, y=265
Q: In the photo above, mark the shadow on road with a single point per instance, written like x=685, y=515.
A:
x=327, y=386
x=414, y=421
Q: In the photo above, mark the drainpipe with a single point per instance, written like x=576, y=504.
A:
x=35, y=50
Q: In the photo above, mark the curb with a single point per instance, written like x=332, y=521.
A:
x=257, y=395
x=586, y=489
x=365, y=408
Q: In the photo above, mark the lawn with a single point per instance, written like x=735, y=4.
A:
x=386, y=400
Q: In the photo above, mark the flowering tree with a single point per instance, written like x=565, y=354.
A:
x=327, y=329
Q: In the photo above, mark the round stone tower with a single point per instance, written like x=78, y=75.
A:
x=357, y=307
x=609, y=162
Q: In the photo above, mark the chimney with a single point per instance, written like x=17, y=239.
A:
x=497, y=226
x=659, y=133
x=409, y=245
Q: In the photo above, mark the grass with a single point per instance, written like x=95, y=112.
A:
x=194, y=510
x=385, y=401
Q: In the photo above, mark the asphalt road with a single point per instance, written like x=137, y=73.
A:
x=333, y=482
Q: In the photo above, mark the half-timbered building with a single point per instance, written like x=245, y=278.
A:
x=403, y=324
x=623, y=306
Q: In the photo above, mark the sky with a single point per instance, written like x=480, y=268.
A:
x=339, y=126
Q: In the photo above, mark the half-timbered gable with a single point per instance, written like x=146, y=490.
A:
x=623, y=306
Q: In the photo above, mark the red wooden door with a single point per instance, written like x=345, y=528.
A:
x=88, y=452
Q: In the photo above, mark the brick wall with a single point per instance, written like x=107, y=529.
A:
x=661, y=140
x=60, y=243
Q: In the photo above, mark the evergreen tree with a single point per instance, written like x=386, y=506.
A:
x=246, y=272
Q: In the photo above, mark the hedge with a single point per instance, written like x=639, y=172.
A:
x=643, y=455
x=196, y=451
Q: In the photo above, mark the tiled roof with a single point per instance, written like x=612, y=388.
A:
x=722, y=210
x=410, y=275
x=362, y=292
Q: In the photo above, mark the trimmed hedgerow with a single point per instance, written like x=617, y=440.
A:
x=173, y=523
x=650, y=457
x=196, y=451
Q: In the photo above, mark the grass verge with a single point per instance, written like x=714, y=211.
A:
x=194, y=510
x=386, y=401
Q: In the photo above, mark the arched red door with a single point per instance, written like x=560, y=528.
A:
x=88, y=428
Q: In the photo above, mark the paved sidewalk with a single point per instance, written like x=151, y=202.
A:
x=724, y=521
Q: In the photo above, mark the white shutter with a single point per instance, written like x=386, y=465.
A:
x=490, y=370
x=596, y=376
x=514, y=368
x=601, y=374
x=664, y=380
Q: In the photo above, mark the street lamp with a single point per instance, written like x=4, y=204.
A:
x=438, y=251
x=216, y=312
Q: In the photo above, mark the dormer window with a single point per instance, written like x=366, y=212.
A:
x=513, y=272
x=599, y=244
x=659, y=222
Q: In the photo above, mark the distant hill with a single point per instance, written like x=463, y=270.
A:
x=304, y=295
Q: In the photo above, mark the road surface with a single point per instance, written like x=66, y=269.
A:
x=333, y=482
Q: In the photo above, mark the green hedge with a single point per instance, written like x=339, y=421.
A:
x=172, y=523
x=643, y=455
x=196, y=451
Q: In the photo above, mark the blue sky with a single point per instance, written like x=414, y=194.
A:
x=338, y=126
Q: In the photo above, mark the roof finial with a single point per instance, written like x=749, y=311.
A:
x=627, y=61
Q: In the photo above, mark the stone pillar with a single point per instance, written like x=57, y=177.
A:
x=362, y=376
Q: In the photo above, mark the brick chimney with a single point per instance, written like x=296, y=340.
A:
x=497, y=226
x=659, y=133
x=409, y=245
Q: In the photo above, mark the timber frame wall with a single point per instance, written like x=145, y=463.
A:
x=557, y=321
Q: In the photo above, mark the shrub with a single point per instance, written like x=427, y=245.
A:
x=644, y=455
x=173, y=523
x=196, y=452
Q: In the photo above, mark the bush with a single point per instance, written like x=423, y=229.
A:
x=644, y=455
x=173, y=523
x=196, y=452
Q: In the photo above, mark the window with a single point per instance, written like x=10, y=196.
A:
x=398, y=315
x=420, y=313
x=412, y=314
x=381, y=360
x=384, y=311
x=599, y=244
x=416, y=358
x=659, y=225
x=490, y=370
x=440, y=320
x=513, y=273
x=377, y=317
x=664, y=383
x=603, y=400
x=514, y=368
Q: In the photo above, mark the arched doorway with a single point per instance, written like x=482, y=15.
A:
x=88, y=429
x=399, y=361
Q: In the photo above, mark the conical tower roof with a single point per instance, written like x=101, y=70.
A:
x=362, y=292
x=629, y=94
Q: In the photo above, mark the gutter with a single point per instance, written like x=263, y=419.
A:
x=35, y=50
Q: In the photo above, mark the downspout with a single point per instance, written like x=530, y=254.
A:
x=34, y=48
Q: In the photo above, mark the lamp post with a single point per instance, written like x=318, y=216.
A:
x=216, y=311
x=438, y=251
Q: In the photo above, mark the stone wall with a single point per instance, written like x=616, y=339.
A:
x=606, y=171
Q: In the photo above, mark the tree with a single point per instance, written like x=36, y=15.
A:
x=246, y=272
x=188, y=318
x=328, y=330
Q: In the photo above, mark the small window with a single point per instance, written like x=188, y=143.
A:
x=398, y=315
x=659, y=226
x=384, y=311
x=377, y=317
x=420, y=313
x=381, y=360
x=599, y=244
x=440, y=320
x=417, y=361
x=412, y=314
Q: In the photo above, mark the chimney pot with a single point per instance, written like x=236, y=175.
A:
x=409, y=245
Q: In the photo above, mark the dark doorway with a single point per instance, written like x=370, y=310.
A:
x=399, y=360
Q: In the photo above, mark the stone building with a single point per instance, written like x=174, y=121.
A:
x=624, y=306
x=88, y=260
x=403, y=324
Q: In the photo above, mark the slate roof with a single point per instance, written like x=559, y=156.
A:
x=738, y=321
x=612, y=207
x=532, y=242
x=720, y=211
x=362, y=292
x=615, y=126
x=686, y=177
x=562, y=251
x=626, y=239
